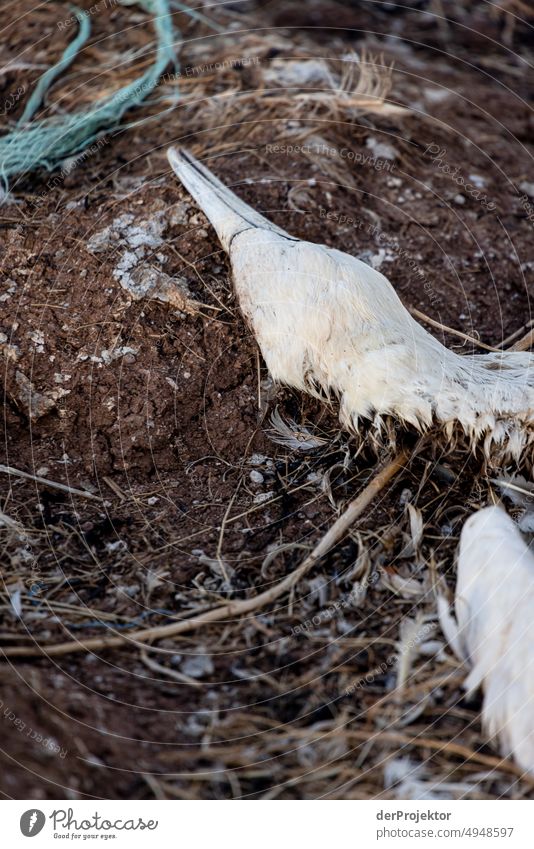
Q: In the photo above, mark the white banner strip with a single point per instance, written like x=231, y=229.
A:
x=254, y=824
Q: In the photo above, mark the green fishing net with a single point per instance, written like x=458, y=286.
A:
x=47, y=142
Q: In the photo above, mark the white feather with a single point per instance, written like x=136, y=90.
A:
x=495, y=614
x=328, y=323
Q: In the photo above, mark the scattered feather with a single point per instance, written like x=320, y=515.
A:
x=494, y=603
x=292, y=435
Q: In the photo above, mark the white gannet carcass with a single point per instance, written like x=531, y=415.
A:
x=327, y=323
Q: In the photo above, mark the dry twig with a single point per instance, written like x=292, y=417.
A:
x=9, y=470
x=232, y=609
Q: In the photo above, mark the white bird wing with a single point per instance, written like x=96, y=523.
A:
x=494, y=609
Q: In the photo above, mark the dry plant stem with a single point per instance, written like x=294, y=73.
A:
x=525, y=343
x=10, y=523
x=114, y=488
x=232, y=609
x=519, y=332
x=442, y=746
x=426, y=318
x=9, y=470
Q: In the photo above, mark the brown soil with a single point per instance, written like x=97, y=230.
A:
x=156, y=412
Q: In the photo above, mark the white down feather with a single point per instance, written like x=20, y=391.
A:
x=326, y=321
x=495, y=615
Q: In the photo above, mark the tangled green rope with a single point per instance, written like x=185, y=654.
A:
x=48, y=142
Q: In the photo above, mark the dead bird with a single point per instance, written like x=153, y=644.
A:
x=330, y=325
x=494, y=629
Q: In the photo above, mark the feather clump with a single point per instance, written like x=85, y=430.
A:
x=494, y=633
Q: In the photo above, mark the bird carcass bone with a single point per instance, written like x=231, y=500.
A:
x=328, y=323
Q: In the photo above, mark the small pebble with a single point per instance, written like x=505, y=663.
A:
x=478, y=181
x=196, y=666
x=257, y=459
x=262, y=496
x=527, y=187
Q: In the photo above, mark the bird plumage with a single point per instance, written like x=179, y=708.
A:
x=494, y=606
x=329, y=324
